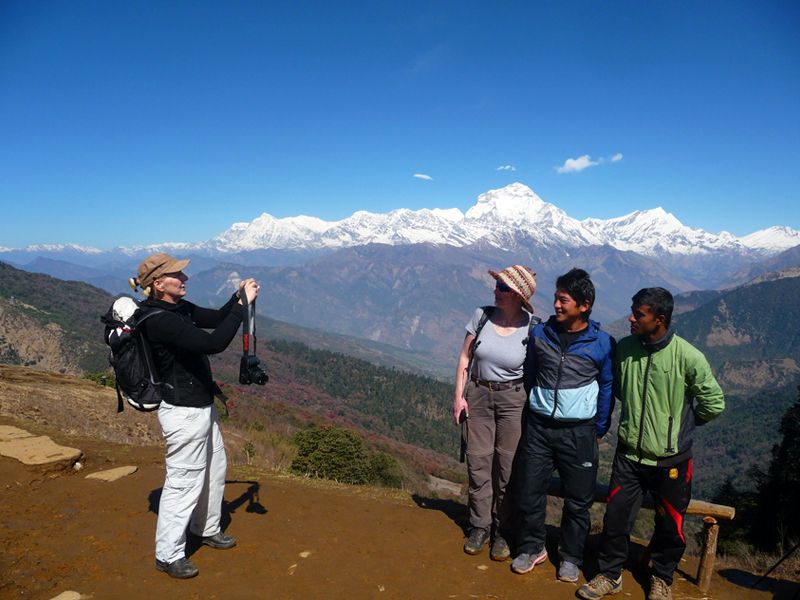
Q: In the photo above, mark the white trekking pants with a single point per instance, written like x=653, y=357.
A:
x=196, y=464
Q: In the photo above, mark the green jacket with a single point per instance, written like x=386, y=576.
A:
x=665, y=389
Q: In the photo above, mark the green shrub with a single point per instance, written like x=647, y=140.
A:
x=249, y=451
x=102, y=378
x=385, y=470
x=332, y=453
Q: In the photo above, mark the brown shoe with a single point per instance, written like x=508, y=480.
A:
x=659, y=589
x=600, y=586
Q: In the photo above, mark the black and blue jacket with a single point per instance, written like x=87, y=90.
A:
x=572, y=385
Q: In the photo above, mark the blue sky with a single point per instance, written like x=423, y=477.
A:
x=181, y=118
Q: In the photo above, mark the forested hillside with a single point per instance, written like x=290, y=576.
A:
x=50, y=323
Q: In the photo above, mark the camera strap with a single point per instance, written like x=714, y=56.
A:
x=248, y=326
x=249, y=369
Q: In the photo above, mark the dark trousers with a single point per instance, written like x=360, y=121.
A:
x=572, y=451
x=671, y=488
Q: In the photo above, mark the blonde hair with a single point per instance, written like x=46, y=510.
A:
x=147, y=291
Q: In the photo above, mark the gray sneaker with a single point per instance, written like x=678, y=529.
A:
x=500, y=550
x=524, y=562
x=659, y=589
x=478, y=536
x=600, y=586
x=568, y=572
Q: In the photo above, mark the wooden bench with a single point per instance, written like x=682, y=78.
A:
x=710, y=513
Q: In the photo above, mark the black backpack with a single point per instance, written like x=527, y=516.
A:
x=136, y=378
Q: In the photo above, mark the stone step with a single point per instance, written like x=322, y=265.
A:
x=33, y=449
x=113, y=474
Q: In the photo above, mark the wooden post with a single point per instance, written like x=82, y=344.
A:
x=708, y=553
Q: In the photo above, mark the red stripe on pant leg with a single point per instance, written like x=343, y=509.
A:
x=689, y=471
x=613, y=493
x=676, y=516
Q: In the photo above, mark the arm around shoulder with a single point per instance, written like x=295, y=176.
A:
x=605, y=382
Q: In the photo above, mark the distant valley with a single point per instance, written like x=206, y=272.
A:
x=749, y=334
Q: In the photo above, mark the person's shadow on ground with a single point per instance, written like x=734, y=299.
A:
x=782, y=589
x=455, y=510
x=249, y=496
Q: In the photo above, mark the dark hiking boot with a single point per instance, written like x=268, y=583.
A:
x=600, y=586
x=179, y=569
x=478, y=536
x=500, y=550
x=221, y=541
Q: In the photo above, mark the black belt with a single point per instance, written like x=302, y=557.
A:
x=496, y=386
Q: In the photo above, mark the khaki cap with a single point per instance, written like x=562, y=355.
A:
x=156, y=265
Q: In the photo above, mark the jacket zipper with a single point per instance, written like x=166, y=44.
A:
x=644, y=405
x=558, y=382
x=669, y=449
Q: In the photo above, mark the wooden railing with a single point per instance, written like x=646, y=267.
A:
x=711, y=513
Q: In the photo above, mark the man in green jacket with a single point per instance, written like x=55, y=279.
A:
x=665, y=387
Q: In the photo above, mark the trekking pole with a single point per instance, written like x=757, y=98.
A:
x=462, y=418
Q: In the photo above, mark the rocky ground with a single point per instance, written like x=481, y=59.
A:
x=298, y=538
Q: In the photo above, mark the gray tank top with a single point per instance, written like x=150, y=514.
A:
x=497, y=357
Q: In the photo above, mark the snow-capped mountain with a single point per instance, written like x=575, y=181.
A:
x=656, y=231
x=503, y=218
x=58, y=248
x=773, y=239
x=498, y=218
x=508, y=218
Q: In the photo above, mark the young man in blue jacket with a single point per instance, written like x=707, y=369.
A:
x=568, y=376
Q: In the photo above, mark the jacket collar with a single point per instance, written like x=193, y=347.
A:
x=658, y=344
x=590, y=333
x=153, y=303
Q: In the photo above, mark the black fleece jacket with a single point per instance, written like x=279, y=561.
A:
x=179, y=344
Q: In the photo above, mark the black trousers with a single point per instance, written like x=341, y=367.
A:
x=671, y=488
x=572, y=451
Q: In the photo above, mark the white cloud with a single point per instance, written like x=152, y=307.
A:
x=576, y=165
x=506, y=168
x=423, y=176
x=616, y=158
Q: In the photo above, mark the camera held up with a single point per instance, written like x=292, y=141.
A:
x=250, y=371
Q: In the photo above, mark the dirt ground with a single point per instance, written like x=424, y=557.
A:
x=297, y=539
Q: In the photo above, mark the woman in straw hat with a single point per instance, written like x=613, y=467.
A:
x=196, y=463
x=489, y=391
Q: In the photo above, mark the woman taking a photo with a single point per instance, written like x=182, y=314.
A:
x=196, y=463
x=490, y=393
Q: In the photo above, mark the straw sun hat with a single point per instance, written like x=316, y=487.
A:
x=521, y=280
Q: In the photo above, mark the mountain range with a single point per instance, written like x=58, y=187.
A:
x=411, y=279
x=504, y=218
